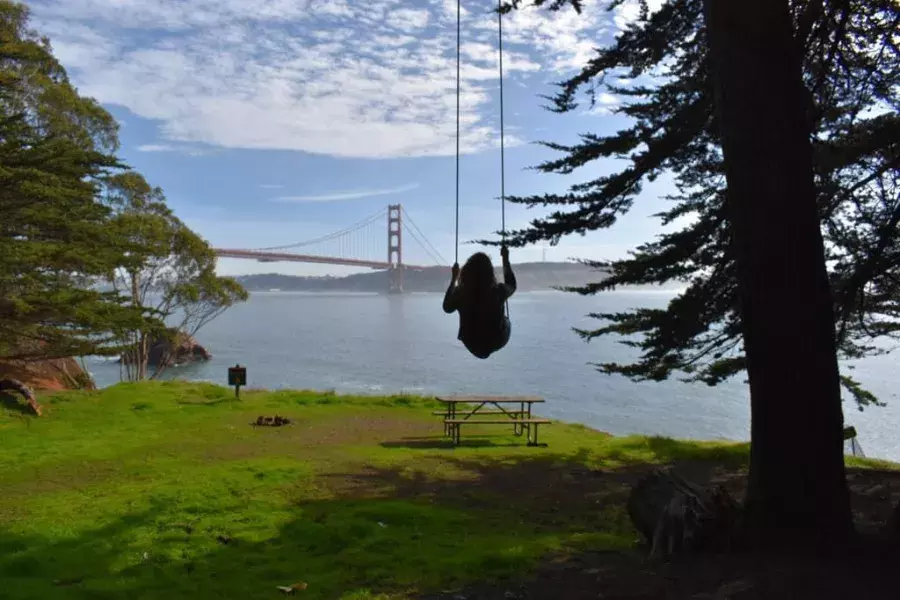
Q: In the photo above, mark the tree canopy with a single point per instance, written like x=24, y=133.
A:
x=661, y=70
x=54, y=235
x=72, y=218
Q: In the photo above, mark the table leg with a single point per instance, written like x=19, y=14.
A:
x=533, y=438
x=451, y=414
x=517, y=427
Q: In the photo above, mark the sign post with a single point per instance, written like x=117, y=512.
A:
x=237, y=376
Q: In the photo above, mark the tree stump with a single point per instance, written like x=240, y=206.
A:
x=14, y=385
x=675, y=515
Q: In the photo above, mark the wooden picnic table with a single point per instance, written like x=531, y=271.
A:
x=459, y=410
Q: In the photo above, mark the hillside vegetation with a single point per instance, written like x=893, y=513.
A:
x=529, y=276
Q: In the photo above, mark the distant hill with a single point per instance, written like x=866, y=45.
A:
x=529, y=277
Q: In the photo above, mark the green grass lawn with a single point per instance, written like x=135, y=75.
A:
x=164, y=490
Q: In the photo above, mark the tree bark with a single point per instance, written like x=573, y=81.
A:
x=675, y=515
x=14, y=385
x=797, y=494
x=141, y=349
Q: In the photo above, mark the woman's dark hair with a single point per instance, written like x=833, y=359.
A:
x=477, y=276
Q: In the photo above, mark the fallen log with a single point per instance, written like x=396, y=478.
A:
x=677, y=516
x=14, y=385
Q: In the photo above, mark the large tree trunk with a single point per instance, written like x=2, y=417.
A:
x=797, y=493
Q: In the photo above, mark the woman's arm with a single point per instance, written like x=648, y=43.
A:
x=450, y=295
x=509, y=278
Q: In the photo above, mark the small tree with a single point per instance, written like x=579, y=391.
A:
x=171, y=276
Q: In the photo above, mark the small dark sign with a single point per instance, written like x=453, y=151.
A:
x=237, y=375
x=849, y=433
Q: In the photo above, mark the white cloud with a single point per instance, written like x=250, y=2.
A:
x=408, y=20
x=629, y=11
x=156, y=148
x=348, y=195
x=371, y=79
x=604, y=104
x=189, y=151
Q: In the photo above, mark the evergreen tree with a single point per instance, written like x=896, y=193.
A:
x=660, y=66
x=795, y=106
x=54, y=235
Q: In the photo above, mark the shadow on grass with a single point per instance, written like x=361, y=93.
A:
x=383, y=529
x=444, y=443
x=429, y=524
x=618, y=451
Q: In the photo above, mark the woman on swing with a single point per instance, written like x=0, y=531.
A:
x=475, y=292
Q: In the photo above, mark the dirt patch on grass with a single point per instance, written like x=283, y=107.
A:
x=302, y=438
x=305, y=434
x=356, y=429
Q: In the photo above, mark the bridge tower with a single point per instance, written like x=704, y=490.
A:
x=395, y=248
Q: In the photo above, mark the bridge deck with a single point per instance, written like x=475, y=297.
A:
x=307, y=258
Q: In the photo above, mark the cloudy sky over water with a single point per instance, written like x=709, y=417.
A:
x=274, y=121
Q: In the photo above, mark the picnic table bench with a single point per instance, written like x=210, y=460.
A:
x=460, y=410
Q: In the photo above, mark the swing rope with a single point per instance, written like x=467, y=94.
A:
x=502, y=144
x=502, y=128
x=458, y=61
x=502, y=118
x=502, y=148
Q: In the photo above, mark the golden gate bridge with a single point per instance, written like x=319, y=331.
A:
x=363, y=244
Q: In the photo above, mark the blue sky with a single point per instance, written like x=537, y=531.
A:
x=275, y=121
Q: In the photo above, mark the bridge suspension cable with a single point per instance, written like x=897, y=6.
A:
x=331, y=236
x=429, y=248
x=424, y=245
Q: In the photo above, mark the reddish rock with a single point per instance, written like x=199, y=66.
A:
x=53, y=374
